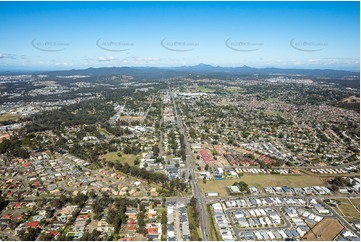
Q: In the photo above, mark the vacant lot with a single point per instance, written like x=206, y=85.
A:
x=132, y=118
x=355, y=202
x=326, y=230
x=262, y=180
x=349, y=209
x=351, y=99
x=9, y=117
x=202, y=88
x=113, y=156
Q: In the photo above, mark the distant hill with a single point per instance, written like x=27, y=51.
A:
x=201, y=69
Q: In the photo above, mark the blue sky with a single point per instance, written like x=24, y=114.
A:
x=67, y=35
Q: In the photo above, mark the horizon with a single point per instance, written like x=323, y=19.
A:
x=297, y=35
x=30, y=70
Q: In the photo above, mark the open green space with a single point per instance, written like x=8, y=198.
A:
x=262, y=180
x=9, y=117
x=355, y=202
x=113, y=156
x=105, y=131
x=214, y=235
x=347, y=209
x=192, y=224
x=208, y=88
x=272, y=113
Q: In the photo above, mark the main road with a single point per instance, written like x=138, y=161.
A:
x=196, y=191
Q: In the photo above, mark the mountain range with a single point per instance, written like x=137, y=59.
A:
x=201, y=69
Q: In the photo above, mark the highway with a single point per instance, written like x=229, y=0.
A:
x=196, y=191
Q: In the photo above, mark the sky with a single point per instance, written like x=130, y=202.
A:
x=69, y=35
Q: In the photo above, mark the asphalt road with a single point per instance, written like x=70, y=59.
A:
x=196, y=191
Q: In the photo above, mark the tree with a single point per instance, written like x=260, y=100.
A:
x=137, y=161
x=3, y=202
x=31, y=234
x=193, y=202
x=155, y=150
x=164, y=220
x=46, y=237
x=80, y=198
x=206, y=167
x=334, y=188
x=339, y=181
x=243, y=187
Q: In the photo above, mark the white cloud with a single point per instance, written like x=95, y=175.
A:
x=106, y=58
x=8, y=56
x=335, y=61
x=64, y=64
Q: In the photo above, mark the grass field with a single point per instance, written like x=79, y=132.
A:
x=112, y=156
x=132, y=118
x=262, y=180
x=272, y=113
x=202, y=89
x=105, y=131
x=9, y=117
x=355, y=202
x=326, y=230
x=213, y=235
x=347, y=209
x=194, y=234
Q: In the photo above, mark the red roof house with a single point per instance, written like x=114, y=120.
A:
x=132, y=228
x=18, y=205
x=153, y=231
x=6, y=216
x=33, y=224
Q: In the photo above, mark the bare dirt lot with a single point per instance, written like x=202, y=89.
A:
x=326, y=230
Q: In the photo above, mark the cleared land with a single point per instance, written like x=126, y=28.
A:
x=355, y=202
x=132, y=118
x=347, y=209
x=113, y=156
x=263, y=180
x=351, y=99
x=326, y=230
x=9, y=117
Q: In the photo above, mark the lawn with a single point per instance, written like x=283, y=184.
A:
x=112, y=156
x=262, y=180
x=326, y=230
x=9, y=117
